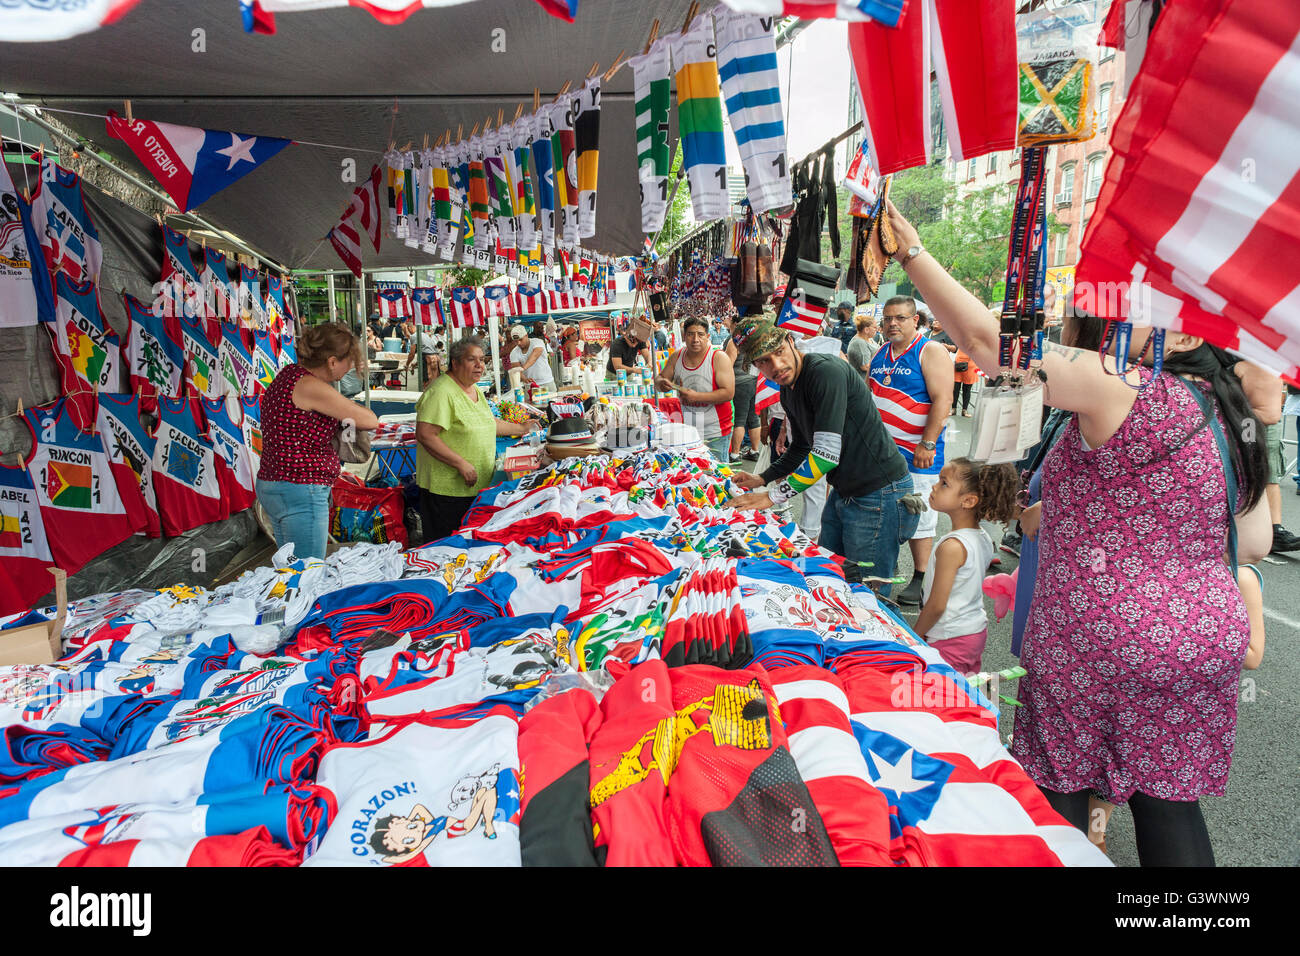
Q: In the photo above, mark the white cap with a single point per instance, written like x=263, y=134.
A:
x=518, y=332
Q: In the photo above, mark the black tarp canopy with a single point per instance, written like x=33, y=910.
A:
x=332, y=76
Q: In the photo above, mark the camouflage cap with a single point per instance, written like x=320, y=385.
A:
x=758, y=336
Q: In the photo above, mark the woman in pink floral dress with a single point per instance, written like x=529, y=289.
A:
x=1137, y=631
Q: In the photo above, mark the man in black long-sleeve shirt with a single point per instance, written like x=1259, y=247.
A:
x=836, y=432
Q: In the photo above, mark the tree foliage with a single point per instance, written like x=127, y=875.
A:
x=966, y=235
x=675, y=224
x=468, y=275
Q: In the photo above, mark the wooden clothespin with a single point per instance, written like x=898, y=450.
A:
x=426, y=140
x=460, y=132
x=690, y=15
x=594, y=67
x=519, y=112
x=20, y=408
x=650, y=40
x=618, y=65
x=129, y=118
x=564, y=89
x=407, y=147
x=501, y=118
x=446, y=136
x=474, y=131
x=537, y=98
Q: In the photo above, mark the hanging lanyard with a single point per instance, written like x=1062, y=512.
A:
x=1025, y=221
x=1121, y=333
x=1031, y=301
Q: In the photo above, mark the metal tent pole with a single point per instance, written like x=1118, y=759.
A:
x=361, y=316
x=334, y=309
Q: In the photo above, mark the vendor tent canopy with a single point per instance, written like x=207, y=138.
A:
x=333, y=76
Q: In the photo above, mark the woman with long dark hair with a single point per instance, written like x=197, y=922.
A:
x=1137, y=630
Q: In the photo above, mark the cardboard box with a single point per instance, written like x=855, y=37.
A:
x=38, y=643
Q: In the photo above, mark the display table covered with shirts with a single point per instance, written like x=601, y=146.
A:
x=677, y=679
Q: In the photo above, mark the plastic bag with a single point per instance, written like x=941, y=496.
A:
x=1057, y=50
x=359, y=513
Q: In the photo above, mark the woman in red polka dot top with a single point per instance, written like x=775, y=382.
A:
x=301, y=412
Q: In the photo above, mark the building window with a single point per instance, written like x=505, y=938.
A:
x=993, y=163
x=1066, y=195
x=1062, y=243
x=970, y=170
x=1103, y=108
x=1107, y=54
x=1092, y=185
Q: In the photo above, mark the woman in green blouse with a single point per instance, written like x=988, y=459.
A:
x=456, y=434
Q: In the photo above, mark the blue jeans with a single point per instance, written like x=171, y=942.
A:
x=298, y=513
x=869, y=528
x=721, y=448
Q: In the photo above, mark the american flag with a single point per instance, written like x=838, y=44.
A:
x=530, y=300
x=496, y=300
x=766, y=394
x=1197, y=215
x=466, y=310
x=428, y=310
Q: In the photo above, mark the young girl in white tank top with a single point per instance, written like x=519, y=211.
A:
x=953, y=618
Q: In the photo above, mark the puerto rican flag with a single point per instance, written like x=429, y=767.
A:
x=1199, y=204
x=496, y=300
x=192, y=164
x=560, y=301
x=931, y=748
x=530, y=300
x=394, y=303
x=465, y=309
x=428, y=310
x=766, y=394
x=801, y=314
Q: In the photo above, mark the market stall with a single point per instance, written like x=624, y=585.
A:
x=600, y=647
x=607, y=663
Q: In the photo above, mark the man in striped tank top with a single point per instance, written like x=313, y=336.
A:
x=911, y=381
x=704, y=380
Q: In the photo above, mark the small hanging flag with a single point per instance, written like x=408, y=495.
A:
x=193, y=164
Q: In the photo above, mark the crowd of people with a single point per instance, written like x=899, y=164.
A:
x=1136, y=518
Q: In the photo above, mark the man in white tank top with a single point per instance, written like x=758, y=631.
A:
x=704, y=381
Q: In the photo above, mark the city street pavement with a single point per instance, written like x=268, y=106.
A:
x=1257, y=822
